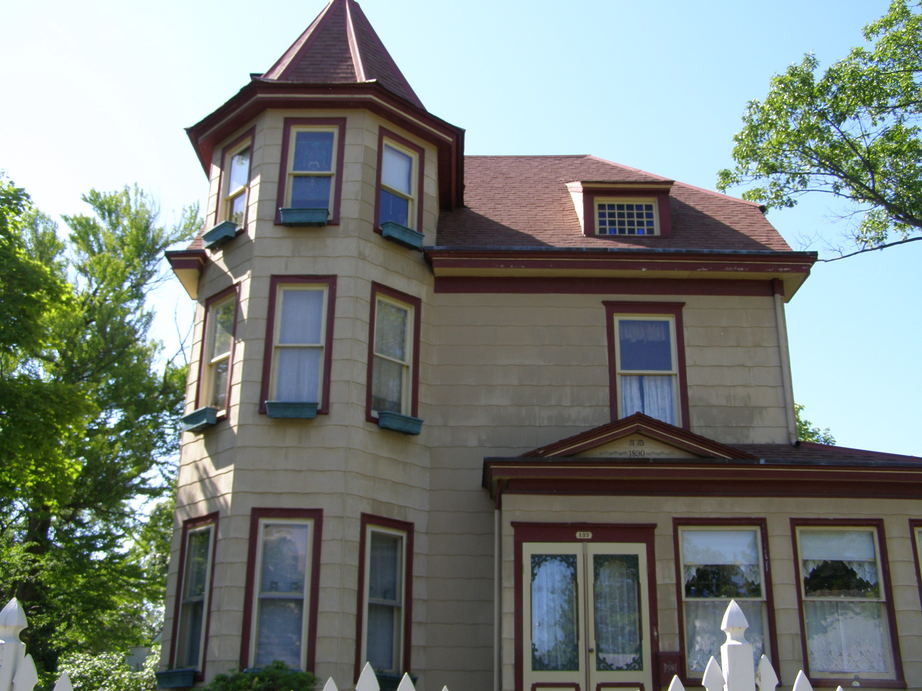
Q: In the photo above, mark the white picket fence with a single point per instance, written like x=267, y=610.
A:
x=735, y=672
x=17, y=669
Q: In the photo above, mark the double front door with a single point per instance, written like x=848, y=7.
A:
x=586, y=623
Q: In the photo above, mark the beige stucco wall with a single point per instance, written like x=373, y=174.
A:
x=777, y=512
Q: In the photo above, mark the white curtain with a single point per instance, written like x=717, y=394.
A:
x=397, y=168
x=848, y=637
x=554, y=618
x=616, y=611
x=652, y=395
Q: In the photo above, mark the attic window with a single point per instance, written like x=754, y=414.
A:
x=621, y=216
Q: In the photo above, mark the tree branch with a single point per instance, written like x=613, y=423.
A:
x=871, y=249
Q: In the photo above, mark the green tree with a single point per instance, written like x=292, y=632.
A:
x=807, y=431
x=87, y=418
x=851, y=131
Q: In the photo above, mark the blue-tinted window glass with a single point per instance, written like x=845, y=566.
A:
x=313, y=151
x=393, y=208
x=310, y=192
x=644, y=345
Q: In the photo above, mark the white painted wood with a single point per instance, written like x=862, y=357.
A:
x=26, y=677
x=736, y=652
x=801, y=683
x=406, y=684
x=63, y=683
x=676, y=684
x=367, y=680
x=766, y=678
x=330, y=685
x=713, y=679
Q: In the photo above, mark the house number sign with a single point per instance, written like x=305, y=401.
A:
x=583, y=535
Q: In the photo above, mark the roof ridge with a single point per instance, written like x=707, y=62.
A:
x=622, y=165
x=354, y=48
x=279, y=66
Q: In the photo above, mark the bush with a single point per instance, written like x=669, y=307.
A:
x=273, y=677
x=109, y=672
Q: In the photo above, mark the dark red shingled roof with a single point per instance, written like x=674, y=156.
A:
x=341, y=47
x=523, y=201
x=811, y=452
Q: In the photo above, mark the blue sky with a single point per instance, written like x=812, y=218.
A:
x=97, y=94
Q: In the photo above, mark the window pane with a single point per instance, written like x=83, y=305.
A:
x=239, y=169
x=387, y=385
x=302, y=316
x=313, y=152
x=848, y=638
x=279, y=632
x=644, y=345
x=652, y=395
x=237, y=208
x=397, y=170
x=391, y=330
x=222, y=327
x=382, y=633
x=554, y=615
x=703, y=636
x=196, y=571
x=311, y=192
x=839, y=563
x=384, y=567
x=190, y=634
x=393, y=209
x=219, y=384
x=616, y=611
x=297, y=374
x=721, y=563
x=284, y=558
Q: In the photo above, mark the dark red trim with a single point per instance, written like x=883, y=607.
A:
x=916, y=524
x=416, y=305
x=572, y=285
x=225, y=150
x=707, y=477
x=368, y=521
x=566, y=532
x=209, y=303
x=260, y=95
x=669, y=309
x=638, y=423
x=274, y=282
x=281, y=195
x=189, y=525
x=877, y=525
x=313, y=598
x=186, y=259
x=660, y=196
x=383, y=135
x=762, y=526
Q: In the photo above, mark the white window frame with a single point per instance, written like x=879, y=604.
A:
x=651, y=201
x=411, y=198
x=321, y=344
x=183, y=652
x=406, y=364
x=211, y=359
x=891, y=651
x=292, y=174
x=672, y=373
x=685, y=600
x=258, y=595
x=397, y=605
x=231, y=194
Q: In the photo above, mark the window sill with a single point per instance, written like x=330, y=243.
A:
x=292, y=217
x=291, y=409
x=399, y=423
x=221, y=233
x=402, y=235
x=176, y=678
x=199, y=420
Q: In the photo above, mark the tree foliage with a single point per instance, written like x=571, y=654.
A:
x=110, y=672
x=852, y=131
x=807, y=431
x=87, y=418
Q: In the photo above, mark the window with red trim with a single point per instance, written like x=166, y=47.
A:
x=299, y=339
x=385, y=594
x=846, y=607
x=393, y=360
x=235, y=183
x=399, y=197
x=217, y=350
x=310, y=177
x=193, y=592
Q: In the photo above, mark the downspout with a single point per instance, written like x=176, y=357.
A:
x=785, y=359
x=497, y=597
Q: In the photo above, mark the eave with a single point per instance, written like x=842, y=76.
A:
x=260, y=95
x=188, y=266
x=698, y=477
x=788, y=269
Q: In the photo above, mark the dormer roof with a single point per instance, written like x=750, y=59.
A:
x=341, y=47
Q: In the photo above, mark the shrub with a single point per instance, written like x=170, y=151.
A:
x=109, y=672
x=273, y=677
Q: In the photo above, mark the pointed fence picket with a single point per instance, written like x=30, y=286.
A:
x=738, y=673
x=17, y=669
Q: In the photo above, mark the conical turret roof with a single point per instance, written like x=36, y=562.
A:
x=341, y=47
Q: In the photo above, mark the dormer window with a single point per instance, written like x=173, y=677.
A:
x=310, y=180
x=623, y=216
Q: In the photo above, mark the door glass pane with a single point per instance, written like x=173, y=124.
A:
x=554, y=613
x=617, y=614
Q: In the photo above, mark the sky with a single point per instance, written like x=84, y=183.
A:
x=97, y=94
